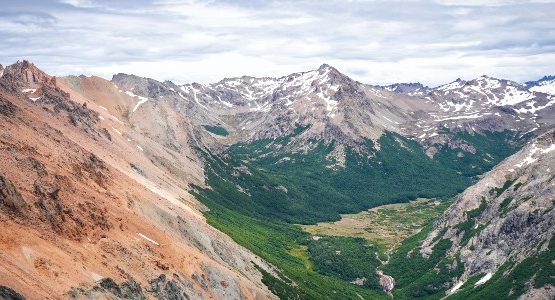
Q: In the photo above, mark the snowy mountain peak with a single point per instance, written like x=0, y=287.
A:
x=533, y=83
x=336, y=107
x=487, y=82
x=544, y=85
x=325, y=67
x=452, y=85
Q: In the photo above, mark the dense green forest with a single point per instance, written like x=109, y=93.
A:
x=259, y=191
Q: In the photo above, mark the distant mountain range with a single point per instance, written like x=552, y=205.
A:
x=163, y=190
x=544, y=85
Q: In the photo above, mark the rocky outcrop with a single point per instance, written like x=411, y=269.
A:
x=10, y=199
x=78, y=114
x=176, y=287
x=24, y=73
x=7, y=108
x=107, y=287
x=7, y=293
x=25, y=77
x=164, y=287
x=387, y=282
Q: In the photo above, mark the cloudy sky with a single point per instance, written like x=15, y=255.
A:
x=376, y=42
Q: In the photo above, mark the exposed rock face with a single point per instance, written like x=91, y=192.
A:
x=177, y=287
x=413, y=88
x=507, y=216
x=129, y=289
x=544, y=293
x=7, y=108
x=41, y=88
x=24, y=73
x=10, y=198
x=387, y=282
x=7, y=293
x=163, y=287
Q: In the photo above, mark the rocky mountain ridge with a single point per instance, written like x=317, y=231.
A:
x=336, y=108
x=90, y=208
x=544, y=85
x=504, y=218
x=258, y=108
x=486, y=104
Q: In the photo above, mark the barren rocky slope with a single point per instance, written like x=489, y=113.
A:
x=504, y=219
x=90, y=208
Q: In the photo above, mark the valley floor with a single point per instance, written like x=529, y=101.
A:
x=384, y=226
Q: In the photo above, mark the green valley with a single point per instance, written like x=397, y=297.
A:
x=259, y=193
x=383, y=226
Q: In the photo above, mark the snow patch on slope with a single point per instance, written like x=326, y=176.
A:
x=148, y=239
x=141, y=99
x=451, y=86
x=547, y=87
x=484, y=279
x=455, y=287
x=514, y=96
x=530, y=158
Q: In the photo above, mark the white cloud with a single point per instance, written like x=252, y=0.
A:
x=372, y=41
x=79, y=3
x=489, y=2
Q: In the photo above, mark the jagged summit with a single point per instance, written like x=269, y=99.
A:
x=533, y=83
x=325, y=66
x=544, y=85
x=26, y=74
x=120, y=76
x=410, y=88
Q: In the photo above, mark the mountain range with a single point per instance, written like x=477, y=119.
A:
x=133, y=188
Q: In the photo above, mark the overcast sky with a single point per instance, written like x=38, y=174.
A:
x=377, y=42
